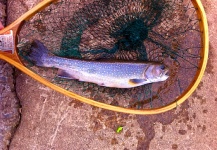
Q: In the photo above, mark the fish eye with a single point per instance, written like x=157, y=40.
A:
x=162, y=67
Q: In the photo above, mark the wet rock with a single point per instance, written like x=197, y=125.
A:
x=9, y=105
x=53, y=121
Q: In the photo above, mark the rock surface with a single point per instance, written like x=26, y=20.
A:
x=9, y=104
x=53, y=121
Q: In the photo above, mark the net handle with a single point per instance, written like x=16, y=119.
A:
x=10, y=57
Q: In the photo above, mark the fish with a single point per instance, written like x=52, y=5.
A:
x=115, y=74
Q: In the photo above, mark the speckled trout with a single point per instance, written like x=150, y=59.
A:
x=110, y=74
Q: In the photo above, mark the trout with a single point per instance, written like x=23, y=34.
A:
x=116, y=74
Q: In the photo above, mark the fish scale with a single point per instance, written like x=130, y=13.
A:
x=110, y=74
x=113, y=68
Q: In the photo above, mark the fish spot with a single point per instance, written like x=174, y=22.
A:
x=91, y=70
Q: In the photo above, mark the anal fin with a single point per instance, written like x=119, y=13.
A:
x=64, y=74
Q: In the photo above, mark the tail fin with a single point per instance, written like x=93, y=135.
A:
x=39, y=53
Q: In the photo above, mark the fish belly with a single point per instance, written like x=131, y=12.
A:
x=101, y=80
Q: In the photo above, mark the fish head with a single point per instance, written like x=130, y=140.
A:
x=156, y=73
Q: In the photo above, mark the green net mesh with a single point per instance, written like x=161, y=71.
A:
x=165, y=31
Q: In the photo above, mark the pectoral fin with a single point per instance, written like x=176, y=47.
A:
x=64, y=74
x=137, y=81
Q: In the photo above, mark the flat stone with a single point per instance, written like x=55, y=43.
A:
x=9, y=105
x=51, y=120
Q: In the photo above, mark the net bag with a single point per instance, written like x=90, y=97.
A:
x=173, y=32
